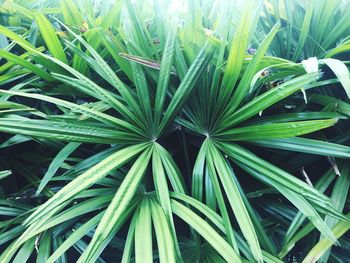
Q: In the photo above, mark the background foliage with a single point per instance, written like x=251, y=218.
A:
x=157, y=131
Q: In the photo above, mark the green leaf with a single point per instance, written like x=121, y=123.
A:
x=244, y=84
x=85, y=180
x=92, y=89
x=115, y=48
x=275, y=130
x=74, y=237
x=4, y=174
x=70, y=12
x=160, y=182
x=71, y=131
x=213, y=217
x=339, y=195
x=308, y=210
x=341, y=71
x=187, y=84
x=162, y=190
x=77, y=210
x=292, y=236
x=175, y=177
x=143, y=234
x=338, y=105
x=212, y=185
x=306, y=145
x=198, y=175
x=103, y=69
x=266, y=99
x=344, y=47
x=118, y=204
x=280, y=179
x=235, y=201
x=56, y=164
x=44, y=247
x=164, y=74
x=108, y=119
x=323, y=245
x=142, y=90
x=16, y=38
x=305, y=28
x=238, y=49
x=25, y=252
x=50, y=37
x=206, y=231
x=164, y=237
x=12, y=76
x=297, y=116
x=262, y=234
x=18, y=60
x=129, y=242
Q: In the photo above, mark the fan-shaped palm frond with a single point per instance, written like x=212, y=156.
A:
x=150, y=135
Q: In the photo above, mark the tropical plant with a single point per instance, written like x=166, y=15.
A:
x=213, y=133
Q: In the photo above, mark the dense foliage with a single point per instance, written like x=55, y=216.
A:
x=217, y=131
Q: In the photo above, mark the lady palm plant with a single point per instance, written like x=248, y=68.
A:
x=153, y=135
